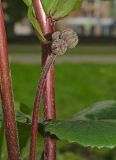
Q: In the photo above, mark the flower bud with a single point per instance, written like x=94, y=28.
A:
x=70, y=37
x=56, y=35
x=59, y=47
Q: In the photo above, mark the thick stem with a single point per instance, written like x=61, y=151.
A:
x=47, y=26
x=49, y=106
x=7, y=96
x=50, y=148
x=49, y=95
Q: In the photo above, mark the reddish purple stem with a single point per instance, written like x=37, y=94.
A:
x=47, y=86
x=7, y=96
x=50, y=148
x=37, y=105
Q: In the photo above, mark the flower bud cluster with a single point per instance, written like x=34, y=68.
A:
x=61, y=41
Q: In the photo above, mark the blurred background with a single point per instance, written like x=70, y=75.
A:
x=91, y=65
x=95, y=19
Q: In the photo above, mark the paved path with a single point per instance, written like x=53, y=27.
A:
x=33, y=59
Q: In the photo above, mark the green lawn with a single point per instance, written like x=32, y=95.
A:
x=80, y=49
x=77, y=85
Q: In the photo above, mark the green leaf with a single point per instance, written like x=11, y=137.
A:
x=45, y=4
x=85, y=132
x=33, y=20
x=60, y=8
x=24, y=134
x=3, y=145
x=35, y=23
x=52, y=7
x=94, y=126
x=21, y=107
x=27, y=2
x=23, y=124
x=1, y=138
x=23, y=119
x=22, y=113
x=78, y=5
x=1, y=117
x=105, y=110
x=66, y=7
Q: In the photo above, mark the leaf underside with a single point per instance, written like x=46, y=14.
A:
x=105, y=110
x=62, y=8
x=94, y=126
x=33, y=20
x=58, y=8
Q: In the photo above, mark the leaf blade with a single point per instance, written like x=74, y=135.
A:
x=94, y=126
x=66, y=8
x=35, y=24
x=27, y=2
x=87, y=133
x=98, y=111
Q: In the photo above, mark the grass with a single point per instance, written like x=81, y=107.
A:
x=77, y=85
x=81, y=49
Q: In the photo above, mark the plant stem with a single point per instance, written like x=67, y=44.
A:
x=7, y=96
x=47, y=26
x=49, y=106
x=50, y=148
x=39, y=93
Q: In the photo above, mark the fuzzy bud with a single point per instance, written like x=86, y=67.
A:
x=59, y=47
x=70, y=37
x=56, y=35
